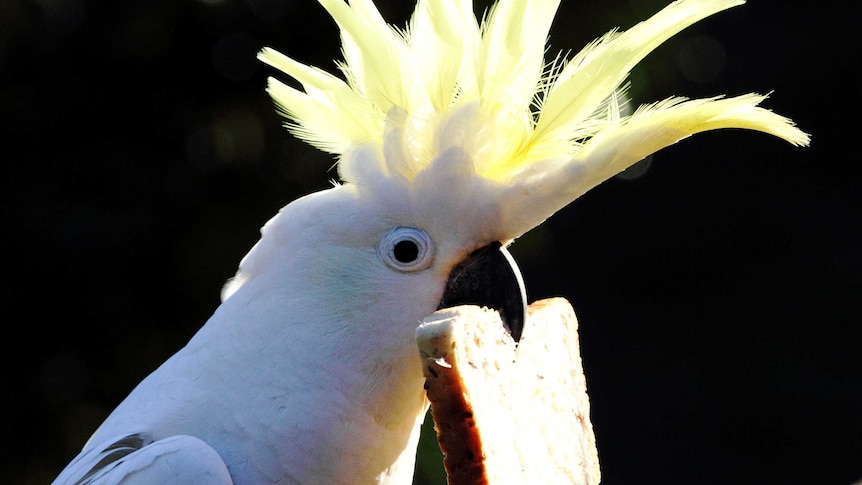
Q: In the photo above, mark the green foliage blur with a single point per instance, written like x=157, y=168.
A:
x=429, y=460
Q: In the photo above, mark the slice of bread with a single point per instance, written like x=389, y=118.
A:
x=507, y=414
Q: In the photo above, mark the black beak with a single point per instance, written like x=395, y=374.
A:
x=490, y=278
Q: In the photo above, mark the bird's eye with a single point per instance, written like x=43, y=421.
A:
x=406, y=249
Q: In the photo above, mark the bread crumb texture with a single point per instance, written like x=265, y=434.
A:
x=507, y=413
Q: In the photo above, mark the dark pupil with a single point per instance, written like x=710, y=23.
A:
x=406, y=251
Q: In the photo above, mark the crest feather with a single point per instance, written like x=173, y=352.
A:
x=603, y=66
x=446, y=83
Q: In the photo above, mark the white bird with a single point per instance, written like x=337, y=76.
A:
x=454, y=137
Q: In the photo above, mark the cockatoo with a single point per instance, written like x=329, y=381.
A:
x=453, y=137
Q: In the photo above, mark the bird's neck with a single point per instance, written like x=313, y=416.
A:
x=344, y=407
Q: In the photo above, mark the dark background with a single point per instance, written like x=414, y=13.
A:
x=718, y=292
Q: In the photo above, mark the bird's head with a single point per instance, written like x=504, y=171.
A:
x=454, y=137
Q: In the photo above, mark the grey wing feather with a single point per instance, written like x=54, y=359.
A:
x=136, y=458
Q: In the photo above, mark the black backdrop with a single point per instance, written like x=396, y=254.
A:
x=718, y=292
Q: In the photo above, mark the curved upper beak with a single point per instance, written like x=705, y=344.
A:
x=490, y=278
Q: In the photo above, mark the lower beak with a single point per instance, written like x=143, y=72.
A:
x=490, y=278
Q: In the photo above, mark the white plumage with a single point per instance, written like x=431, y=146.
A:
x=452, y=136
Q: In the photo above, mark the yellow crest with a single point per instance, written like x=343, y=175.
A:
x=447, y=80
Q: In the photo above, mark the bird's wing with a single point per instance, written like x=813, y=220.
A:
x=135, y=458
